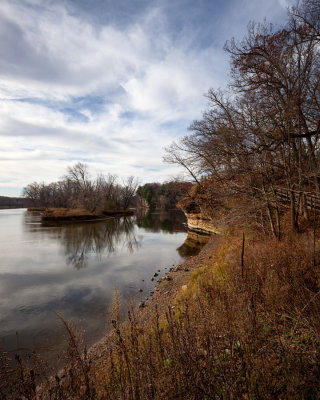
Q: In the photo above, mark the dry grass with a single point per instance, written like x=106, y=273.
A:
x=79, y=214
x=238, y=330
x=67, y=212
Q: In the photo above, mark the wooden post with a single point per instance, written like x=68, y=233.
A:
x=242, y=257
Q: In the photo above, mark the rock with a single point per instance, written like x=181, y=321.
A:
x=168, y=278
x=171, y=269
x=140, y=290
x=184, y=287
x=186, y=269
x=151, y=292
x=142, y=304
x=155, y=274
x=152, y=279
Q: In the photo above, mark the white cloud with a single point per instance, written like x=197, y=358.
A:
x=283, y=3
x=44, y=143
x=67, y=56
x=71, y=90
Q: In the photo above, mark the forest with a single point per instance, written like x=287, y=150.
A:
x=14, y=202
x=163, y=196
x=77, y=189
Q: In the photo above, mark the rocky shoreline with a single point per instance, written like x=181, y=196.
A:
x=162, y=297
x=197, y=223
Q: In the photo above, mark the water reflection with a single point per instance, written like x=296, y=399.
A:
x=193, y=244
x=169, y=222
x=36, y=279
x=81, y=240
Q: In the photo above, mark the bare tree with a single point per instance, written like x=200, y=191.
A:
x=128, y=191
x=78, y=189
x=32, y=192
x=265, y=133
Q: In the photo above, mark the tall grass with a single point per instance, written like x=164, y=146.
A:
x=239, y=330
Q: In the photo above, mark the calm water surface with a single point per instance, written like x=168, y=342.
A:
x=73, y=270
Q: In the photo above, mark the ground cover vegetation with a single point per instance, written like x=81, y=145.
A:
x=245, y=323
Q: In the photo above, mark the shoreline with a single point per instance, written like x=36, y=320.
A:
x=57, y=216
x=162, y=296
x=198, y=310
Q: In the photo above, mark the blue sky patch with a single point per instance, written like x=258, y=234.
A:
x=109, y=82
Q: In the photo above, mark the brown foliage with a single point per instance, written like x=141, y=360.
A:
x=263, y=132
x=239, y=330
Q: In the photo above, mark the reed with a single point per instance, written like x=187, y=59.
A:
x=247, y=326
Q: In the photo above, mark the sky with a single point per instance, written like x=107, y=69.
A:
x=109, y=83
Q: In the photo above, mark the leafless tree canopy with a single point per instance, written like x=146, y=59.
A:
x=79, y=190
x=263, y=133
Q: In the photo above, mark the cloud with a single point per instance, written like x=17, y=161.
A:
x=110, y=86
x=283, y=3
x=59, y=55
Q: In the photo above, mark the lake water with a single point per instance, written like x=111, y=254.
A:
x=73, y=270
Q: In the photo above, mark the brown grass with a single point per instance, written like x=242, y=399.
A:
x=246, y=330
x=79, y=214
x=67, y=212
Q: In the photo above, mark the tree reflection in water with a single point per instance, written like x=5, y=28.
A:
x=37, y=281
x=81, y=240
x=154, y=221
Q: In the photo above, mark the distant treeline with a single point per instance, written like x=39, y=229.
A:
x=77, y=189
x=163, y=196
x=14, y=202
